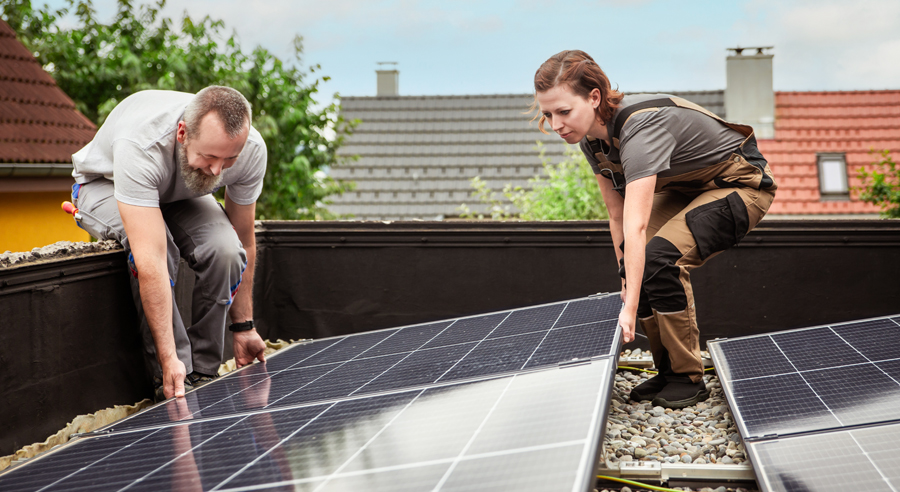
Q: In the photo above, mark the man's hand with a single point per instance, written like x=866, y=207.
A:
x=248, y=345
x=173, y=378
x=626, y=321
x=623, y=290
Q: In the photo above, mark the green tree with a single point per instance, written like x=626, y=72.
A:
x=98, y=64
x=567, y=191
x=881, y=185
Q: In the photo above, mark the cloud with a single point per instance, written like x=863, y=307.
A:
x=828, y=45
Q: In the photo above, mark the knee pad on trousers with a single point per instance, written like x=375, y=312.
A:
x=662, y=282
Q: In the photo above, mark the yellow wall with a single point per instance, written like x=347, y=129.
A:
x=34, y=219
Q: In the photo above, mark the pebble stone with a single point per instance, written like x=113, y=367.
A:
x=703, y=434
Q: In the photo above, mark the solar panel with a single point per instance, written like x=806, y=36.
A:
x=812, y=379
x=817, y=407
x=860, y=459
x=484, y=402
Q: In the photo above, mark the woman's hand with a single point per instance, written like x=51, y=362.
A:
x=627, y=321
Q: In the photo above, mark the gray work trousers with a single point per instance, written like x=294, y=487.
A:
x=197, y=230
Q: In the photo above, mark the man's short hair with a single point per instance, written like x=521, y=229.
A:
x=230, y=105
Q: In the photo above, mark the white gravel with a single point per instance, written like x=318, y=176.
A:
x=704, y=434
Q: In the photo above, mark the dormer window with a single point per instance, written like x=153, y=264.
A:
x=833, y=177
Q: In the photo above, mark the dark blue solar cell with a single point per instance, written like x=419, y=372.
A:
x=342, y=381
x=408, y=339
x=58, y=466
x=590, y=311
x=577, y=342
x=876, y=340
x=823, y=462
x=297, y=353
x=254, y=438
x=752, y=357
x=320, y=446
x=113, y=471
x=529, y=320
x=857, y=394
x=779, y=405
x=422, y=367
x=816, y=349
x=468, y=330
x=496, y=355
x=228, y=396
x=348, y=348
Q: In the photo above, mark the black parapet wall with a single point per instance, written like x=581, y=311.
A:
x=319, y=279
x=69, y=345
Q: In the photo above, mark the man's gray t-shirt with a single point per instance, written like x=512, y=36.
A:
x=667, y=142
x=136, y=149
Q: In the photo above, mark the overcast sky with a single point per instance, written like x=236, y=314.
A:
x=495, y=46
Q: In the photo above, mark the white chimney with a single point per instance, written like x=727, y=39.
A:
x=749, y=95
x=388, y=80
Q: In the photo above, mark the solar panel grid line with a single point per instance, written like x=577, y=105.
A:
x=868, y=361
x=89, y=465
x=268, y=451
x=405, y=466
x=465, y=448
x=366, y=445
x=545, y=336
x=475, y=346
x=874, y=463
x=807, y=383
x=807, y=371
x=407, y=355
x=183, y=454
x=342, y=364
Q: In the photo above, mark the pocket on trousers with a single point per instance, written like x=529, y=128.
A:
x=718, y=225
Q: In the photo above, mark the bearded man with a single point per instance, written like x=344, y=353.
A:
x=146, y=180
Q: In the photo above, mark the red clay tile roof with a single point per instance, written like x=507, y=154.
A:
x=807, y=123
x=38, y=121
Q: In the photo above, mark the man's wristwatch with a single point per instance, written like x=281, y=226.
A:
x=245, y=326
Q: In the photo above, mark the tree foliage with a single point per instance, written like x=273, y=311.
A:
x=881, y=185
x=567, y=191
x=98, y=64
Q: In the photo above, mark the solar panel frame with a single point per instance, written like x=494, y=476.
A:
x=862, y=458
x=740, y=348
x=320, y=357
x=821, y=455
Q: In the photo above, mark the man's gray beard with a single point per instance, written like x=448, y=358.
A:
x=195, y=179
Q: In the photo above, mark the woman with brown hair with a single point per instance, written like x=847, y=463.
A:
x=680, y=184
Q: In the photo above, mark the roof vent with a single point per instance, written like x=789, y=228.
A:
x=749, y=94
x=388, y=79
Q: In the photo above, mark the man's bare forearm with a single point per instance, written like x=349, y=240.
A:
x=156, y=298
x=242, y=306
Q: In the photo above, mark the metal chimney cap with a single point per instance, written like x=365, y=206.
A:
x=759, y=49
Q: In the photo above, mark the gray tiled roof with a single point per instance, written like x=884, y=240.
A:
x=417, y=154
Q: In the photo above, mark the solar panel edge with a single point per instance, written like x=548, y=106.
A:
x=715, y=352
x=597, y=434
